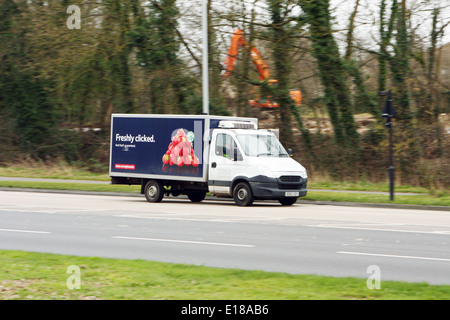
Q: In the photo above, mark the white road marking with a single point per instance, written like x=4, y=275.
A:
x=158, y=217
x=24, y=231
x=378, y=227
x=51, y=211
x=187, y=241
x=392, y=256
x=206, y=219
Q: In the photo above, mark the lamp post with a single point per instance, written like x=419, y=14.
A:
x=389, y=113
x=205, y=68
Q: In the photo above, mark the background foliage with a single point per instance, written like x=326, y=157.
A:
x=58, y=87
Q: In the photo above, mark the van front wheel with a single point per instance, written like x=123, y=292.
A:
x=242, y=194
x=288, y=201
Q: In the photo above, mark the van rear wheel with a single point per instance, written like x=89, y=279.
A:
x=197, y=196
x=242, y=194
x=154, y=191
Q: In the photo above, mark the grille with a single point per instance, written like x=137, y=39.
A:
x=289, y=186
x=290, y=178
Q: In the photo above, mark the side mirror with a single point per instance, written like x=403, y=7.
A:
x=290, y=152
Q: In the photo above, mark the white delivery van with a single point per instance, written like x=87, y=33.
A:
x=196, y=154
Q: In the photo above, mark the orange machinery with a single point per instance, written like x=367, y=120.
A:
x=263, y=70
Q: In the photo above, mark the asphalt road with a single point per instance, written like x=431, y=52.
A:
x=406, y=245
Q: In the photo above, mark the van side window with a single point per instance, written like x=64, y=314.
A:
x=226, y=146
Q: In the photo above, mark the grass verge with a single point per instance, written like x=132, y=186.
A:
x=61, y=170
x=424, y=200
x=443, y=200
x=35, y=276
x=71, y=186
x=364, y=186
x=53, y=171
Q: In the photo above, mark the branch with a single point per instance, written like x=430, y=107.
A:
x=157, y=6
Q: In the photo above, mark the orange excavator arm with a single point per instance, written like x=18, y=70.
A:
x=263, y=69
x=236, y=42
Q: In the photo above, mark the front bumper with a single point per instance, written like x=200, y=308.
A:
x=276, y=188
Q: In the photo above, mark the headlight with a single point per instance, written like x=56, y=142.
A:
x=303, y=174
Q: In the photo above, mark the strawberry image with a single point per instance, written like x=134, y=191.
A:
x=172, y=159
x=181, y=133
x=180, y=151
x=176, y=151
x=186, y=151
x=187, y=160
x=195, y=161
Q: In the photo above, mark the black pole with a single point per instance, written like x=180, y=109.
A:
x=389, y=113
x=391, y=163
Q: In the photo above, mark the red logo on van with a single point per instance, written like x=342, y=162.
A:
x=125, y=166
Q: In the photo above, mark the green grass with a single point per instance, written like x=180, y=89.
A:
x=63, y=171
x=34, y=276
x=426, y=200
x=70, y=186
x=362, y=186
x=54, y=171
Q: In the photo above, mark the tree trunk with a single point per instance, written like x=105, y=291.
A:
x=331, y=72
x=282, y=59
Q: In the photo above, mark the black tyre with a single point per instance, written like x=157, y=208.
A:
x=242, y=194
x=154, y=191
x=289, y=201
x=196, y=196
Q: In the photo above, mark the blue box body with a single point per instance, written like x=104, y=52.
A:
x=139, y=142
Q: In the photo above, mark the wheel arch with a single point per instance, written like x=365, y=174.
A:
x=237, y=180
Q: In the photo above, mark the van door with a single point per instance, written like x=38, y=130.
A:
x=225, y=163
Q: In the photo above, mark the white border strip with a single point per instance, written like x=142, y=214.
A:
x=187, y=241
x=24, y=231
x=392, y=256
